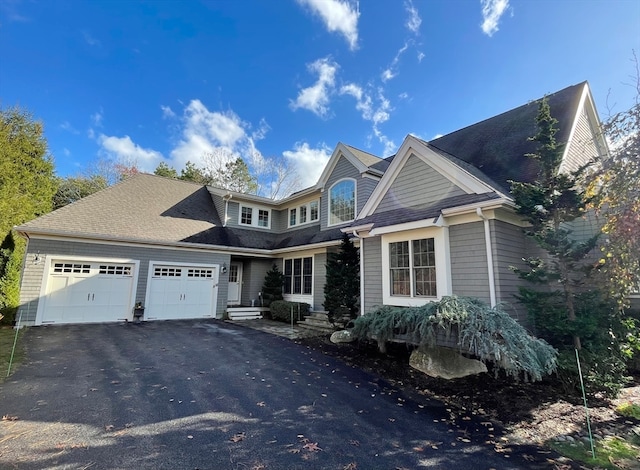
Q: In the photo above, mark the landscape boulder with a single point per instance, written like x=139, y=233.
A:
x=445, y=363
x=342, y=336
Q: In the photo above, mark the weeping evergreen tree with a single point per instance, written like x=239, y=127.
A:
x=565, y=312
x=342, y=287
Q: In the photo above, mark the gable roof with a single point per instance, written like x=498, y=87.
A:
x=497, y=146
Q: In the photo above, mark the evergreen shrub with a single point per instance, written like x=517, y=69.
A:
x=281, y=310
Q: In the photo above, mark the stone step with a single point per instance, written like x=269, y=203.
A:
x=315, y=328
x=316, y=322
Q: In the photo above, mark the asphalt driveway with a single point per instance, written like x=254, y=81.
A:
x=212, y=395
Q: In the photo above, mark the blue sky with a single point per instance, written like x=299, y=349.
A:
x=286, y=80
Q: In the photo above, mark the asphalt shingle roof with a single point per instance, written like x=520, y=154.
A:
x=151, y=208
x=497, y=146
x=142, y=207
x=401, y=215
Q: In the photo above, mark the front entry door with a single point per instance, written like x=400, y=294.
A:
x=235, y=283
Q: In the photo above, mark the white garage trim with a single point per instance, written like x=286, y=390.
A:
x=92, y=269
x=181, y=290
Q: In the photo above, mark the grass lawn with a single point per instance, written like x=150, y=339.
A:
x=7, y=337
x=612, y=453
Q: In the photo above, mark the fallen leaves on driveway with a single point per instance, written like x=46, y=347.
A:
x=9, y=418
x=237, y=437
x=311, y=447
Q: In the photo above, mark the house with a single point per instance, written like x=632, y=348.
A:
x=435, y=219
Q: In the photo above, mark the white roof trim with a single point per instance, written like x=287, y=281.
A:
x=490, y=204
x=586, y=103
x=340, y=150
x=101, y=240
x=424, y=223
x=412, y=146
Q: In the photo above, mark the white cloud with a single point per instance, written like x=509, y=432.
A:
x=392, y=70
x=90, y=40
x=492, y=11
x=262, y=130
x=338, y=16
x=202, y=131
x=316, y=97
x=167, y=112
x=308, y=161
x=414, y=21
x=66, y=125
x=66, y=152
x=123, y=149
x=420, y=56
x=377, y=113
x=97, y=117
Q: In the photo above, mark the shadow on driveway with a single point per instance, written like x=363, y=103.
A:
x=213, y=395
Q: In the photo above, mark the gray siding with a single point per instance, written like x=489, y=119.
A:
x=253, y=274
x=509, y=248
x=343, y=169
x=469, y=274
x=233, y=211
x=372, y=296
x=364, y=189
x=319, y=279
x=33, y=273
x=583, y=148
x=417, y=185
x=279, y=220
x=218, y=203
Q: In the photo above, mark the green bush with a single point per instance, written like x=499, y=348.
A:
x=281, y=310
x=488, y=333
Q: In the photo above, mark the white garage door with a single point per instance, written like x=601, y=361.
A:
x=177, y=292
x=88, y=292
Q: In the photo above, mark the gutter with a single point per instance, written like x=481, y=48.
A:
x=487, y=240
x=226, y=199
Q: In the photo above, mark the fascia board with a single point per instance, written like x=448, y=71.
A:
x=290, y=249
x=357, y=228
x=491, y=204
x=454, y=173
x=425, y=223
x=265, y=201
x=587, y=104
x=340, y=149
x=91, y=238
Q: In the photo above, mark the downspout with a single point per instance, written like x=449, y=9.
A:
x=355, y=234
x=487, y=240
x=226, y=198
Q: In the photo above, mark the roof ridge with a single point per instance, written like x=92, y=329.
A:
x=536, y=100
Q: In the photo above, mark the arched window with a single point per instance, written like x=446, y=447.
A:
x=342, y=202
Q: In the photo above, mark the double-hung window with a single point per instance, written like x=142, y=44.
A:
x=416, y=266
x=255, y=216
x=413, y=268
x=304, y=213
x=298, y=276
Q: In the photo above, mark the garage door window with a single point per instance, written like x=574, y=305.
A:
x=61, y=268
x=167, y=272
x=115, y=270
x=194, y=272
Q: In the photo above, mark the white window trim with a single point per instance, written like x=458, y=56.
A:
x=254, y=216
x=443, y=265
x=355, y=202
x=313, y=278
x=297, y=209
